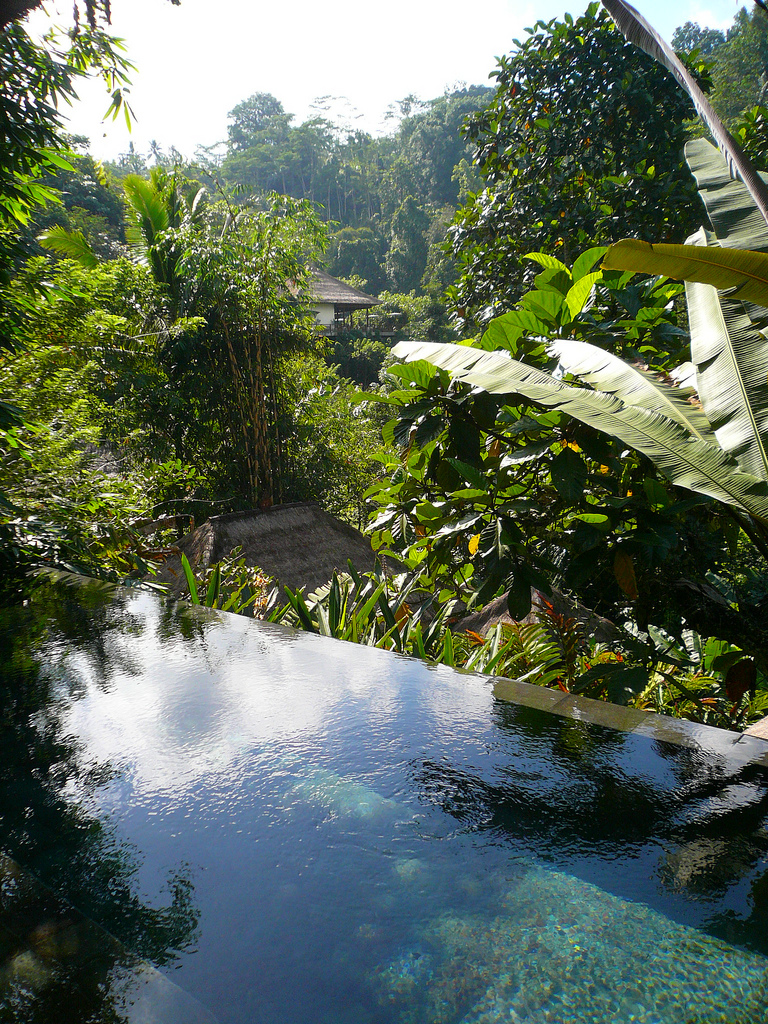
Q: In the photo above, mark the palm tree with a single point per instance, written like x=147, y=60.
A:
x=155, y=206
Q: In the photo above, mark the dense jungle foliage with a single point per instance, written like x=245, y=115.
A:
x=160, y=361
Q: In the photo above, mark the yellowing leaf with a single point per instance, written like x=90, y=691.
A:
x=624, y=571
x=474, y=544
x=740, y=269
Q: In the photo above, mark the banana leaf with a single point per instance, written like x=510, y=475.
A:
x=731, y=358
x=686, y=460
x=735, y=219
x=743, y=271
x=637, y=30
x=633, y=386
x=148, y=214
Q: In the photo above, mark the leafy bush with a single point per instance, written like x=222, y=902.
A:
x=230, y=585
x=706, y=681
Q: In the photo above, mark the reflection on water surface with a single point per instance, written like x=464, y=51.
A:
x=297, y=830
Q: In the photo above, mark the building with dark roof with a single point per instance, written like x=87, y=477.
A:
x=334, y=302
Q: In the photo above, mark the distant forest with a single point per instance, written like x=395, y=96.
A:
x=387, y=200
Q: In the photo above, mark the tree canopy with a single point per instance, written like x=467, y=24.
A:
x=564, y=152
x=739, y=60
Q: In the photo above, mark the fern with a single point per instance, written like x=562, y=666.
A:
x=520, y=650
x=568, y=636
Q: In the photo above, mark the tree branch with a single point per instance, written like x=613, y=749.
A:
x=15, y=10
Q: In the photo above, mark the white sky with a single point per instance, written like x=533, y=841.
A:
x=197, y=61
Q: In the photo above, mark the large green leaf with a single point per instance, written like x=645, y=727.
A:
x=686, y=460
x=637, y=30
x=149, y=213
x=633, y=386
x=736, y=220
x=737, y=225
x=731, y=358
x=744, y=271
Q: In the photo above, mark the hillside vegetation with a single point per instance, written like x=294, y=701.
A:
x=597, y=436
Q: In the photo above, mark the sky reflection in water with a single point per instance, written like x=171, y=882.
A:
x=314, y=831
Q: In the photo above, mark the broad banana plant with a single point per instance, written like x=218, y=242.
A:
x=708, y=432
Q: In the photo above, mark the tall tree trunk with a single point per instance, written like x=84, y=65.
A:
x=276, y=469
x=252, y=469
x=259, y=418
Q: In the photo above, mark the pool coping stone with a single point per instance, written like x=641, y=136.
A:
x=740, y=748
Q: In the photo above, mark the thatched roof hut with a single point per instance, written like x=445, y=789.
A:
x=594, y=626
x=334, y=301
x=299, y=545
x=344, y=297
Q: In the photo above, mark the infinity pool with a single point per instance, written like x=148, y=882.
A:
x=286, y=829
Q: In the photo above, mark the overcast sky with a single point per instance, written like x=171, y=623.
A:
x=195, y=62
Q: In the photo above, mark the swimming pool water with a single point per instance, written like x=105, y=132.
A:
x=300, y=831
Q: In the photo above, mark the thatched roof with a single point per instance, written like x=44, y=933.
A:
x=593, y=625
x=299, y=545
x=325, y=288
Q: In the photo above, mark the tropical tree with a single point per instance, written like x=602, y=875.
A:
x=35, y=79
x=232, y=285
x=360, y=252
x=491, y=491
x=691, y=36
x=164, y=203
x=251, y=286
x=564, y=154
x=96, y=451
x=407, y=256
x=386, y=192
x=704, y=425
x=430, y=144
x=739, y=57
x=231, y=281
x=94, y=11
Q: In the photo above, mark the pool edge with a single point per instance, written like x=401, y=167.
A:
x=742, y=747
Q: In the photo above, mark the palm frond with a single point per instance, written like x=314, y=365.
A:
x=197, y=205
x=148, y=211
x=72, y=244
x=636, y=29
